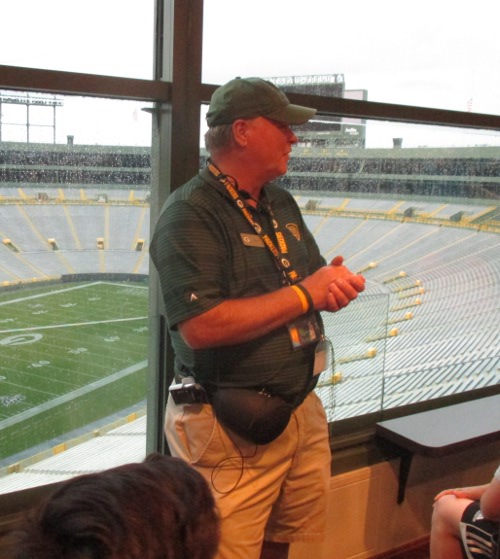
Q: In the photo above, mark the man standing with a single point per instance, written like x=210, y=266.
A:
x=243, y=283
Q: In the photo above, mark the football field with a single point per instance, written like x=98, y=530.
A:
x=70, y=354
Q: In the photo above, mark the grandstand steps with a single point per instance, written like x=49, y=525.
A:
x=451, y=338
x=490, y=214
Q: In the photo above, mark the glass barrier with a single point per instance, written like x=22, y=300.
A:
x=415, y=209
x=354, y=383
x=74, y=269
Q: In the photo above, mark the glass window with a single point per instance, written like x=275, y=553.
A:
x=430, y=54
x=415, y=209
x=112, y=38
x=74, y=281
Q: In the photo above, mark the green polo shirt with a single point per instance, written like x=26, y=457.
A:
x=205, y=252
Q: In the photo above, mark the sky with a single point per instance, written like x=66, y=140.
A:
x=436, y=53
x=431, y=53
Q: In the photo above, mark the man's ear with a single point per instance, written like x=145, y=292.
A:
x=240, y=132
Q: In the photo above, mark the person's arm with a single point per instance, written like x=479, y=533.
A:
x=474, y=493
x=233, y=321
x=490, y=500
x=488, y=496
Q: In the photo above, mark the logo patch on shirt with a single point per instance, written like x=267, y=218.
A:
x=251, y=240
x=193, y=298
x=294, y=230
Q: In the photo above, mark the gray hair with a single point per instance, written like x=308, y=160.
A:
x=219, y=137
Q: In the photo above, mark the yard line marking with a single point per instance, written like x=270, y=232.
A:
x=57, y=291
x=111, y=320
x=123, y=286
x=65, y=398
x=49, y=293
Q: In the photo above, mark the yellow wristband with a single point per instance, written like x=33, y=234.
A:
x=303, y=299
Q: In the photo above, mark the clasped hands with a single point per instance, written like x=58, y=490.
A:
x=334, y=286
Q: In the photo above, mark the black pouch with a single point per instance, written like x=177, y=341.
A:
x=256, y=416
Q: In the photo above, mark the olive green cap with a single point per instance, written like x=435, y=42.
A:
x=252, y=97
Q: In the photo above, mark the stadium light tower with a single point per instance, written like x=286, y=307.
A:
x=29, y=100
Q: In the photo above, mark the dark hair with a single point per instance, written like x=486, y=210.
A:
x=159, y=509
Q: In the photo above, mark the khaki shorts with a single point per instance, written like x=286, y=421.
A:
x=279, y=489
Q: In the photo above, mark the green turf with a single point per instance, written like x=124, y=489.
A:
x=70, y=354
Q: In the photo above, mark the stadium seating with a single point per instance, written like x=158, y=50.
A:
x=447, y=276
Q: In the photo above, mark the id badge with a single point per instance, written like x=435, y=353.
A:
x=322, y=356
x=304, y=330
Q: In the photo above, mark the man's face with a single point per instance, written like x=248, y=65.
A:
x=270, y=144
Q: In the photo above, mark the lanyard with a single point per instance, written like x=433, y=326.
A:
x=284, y=265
